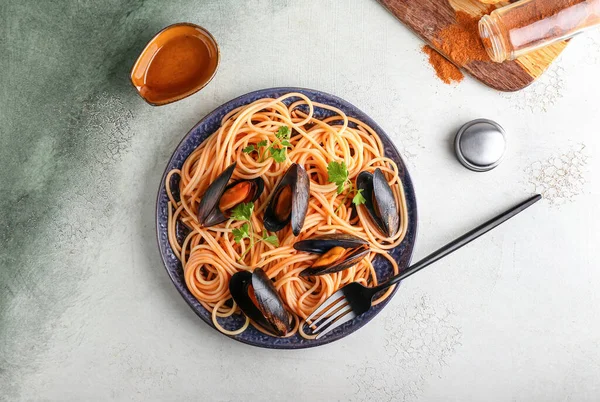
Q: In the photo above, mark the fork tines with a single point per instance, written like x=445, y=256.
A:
x=332, y=313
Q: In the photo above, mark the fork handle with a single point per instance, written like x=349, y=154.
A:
x=458, y=243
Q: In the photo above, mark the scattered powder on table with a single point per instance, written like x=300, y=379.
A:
x=560, y=178
x=445, y=70
x=460, y=42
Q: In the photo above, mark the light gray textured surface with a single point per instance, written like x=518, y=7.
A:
x=88, y=313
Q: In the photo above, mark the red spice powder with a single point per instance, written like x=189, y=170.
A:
x=445, y=70
x=460, y=42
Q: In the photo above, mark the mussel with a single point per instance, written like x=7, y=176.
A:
x=289, y=202
x=338, y=252
x=220, y=198
x=380, y=201
x=257, y=297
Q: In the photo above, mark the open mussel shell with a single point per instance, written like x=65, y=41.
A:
x=380, y=201
x=209, y=211
x=257, y=297
x=354, y=250
x=323, y=243
x=289, y=203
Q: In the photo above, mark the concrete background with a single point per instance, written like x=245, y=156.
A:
x=88, y=313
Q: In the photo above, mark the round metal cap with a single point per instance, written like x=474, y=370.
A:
x=480, y=145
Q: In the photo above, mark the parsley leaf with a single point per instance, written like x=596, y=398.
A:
x=284, y=133
x=278, y=154
x=278, y=149
x=272, y=239
x=248, y=149
x=359, y=198
x=338, y=174
x=241, y=233
x=242, y=212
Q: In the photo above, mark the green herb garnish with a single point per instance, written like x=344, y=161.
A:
x=278, y=154
x=242, y=233
x=271, y=239
x=243, y=212
x=338, y=173
x=277, y=150
x=358, y=198
x=284, y=133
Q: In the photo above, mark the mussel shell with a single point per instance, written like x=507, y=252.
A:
x=214, y=218
x=258, y=182
x=209, y=213
x=388, y=220
x=349, y=260
x=270, y=312
x=323, y=243
x=238, y=287
x=297, y=178
x=270, y=303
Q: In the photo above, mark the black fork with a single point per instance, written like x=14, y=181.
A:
x=355, y=299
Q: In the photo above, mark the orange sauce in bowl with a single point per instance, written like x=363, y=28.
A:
x=179, y=61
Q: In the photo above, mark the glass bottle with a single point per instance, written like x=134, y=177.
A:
x=517, y=29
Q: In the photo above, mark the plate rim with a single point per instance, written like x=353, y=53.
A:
x=266, y=91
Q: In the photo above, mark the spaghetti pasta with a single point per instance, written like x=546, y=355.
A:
x=210, y=256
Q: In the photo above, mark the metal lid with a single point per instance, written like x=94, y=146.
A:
x=480, y=145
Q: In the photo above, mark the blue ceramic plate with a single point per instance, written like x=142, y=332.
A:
x=210, y=124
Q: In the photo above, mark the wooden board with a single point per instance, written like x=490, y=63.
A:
x=428, y=17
